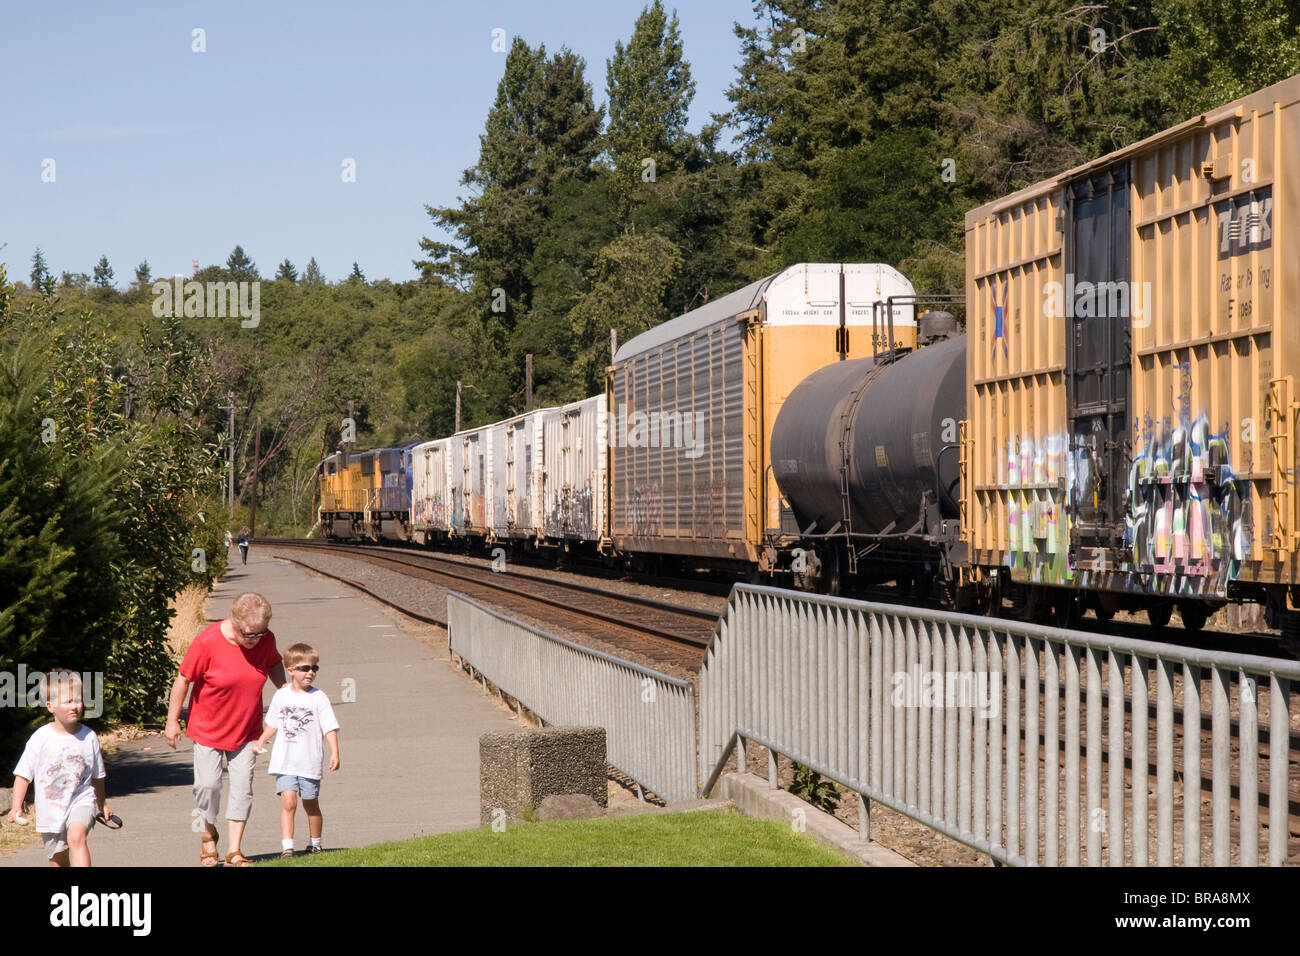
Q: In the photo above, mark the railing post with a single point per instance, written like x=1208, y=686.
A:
x=740, y=754
x=864, y=818
x=771, y=769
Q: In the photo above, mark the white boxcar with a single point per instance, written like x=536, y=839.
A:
x=431, y=502
x=515, y=477
x=573, y=462
x=468, y=482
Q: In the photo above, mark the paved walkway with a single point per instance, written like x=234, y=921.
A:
x=408, y=742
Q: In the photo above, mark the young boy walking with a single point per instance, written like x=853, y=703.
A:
x=64, y=760
x=299, y=716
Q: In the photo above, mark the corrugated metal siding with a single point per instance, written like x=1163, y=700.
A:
x=1202, y=510
x=573, y=450
x=497, y=515
x=1214, y=363
x=1016, y=392
x=468, y=481
x=431, y=502
x=677, y=443
x=514, y=494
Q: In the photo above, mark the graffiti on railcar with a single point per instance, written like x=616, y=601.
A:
x=570, y=513
x=430, y=512
x=1189, y=518
x=582, y=523
x=645, y=510
x=1038, y=529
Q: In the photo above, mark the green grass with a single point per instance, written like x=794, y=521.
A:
x=699, y=838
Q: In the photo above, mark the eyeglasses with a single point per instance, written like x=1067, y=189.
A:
x=255, y=637
x=307, y=667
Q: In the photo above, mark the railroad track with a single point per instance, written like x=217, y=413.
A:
x=657, y=630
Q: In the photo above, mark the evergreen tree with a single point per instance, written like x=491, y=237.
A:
x=356, y=276
x=1219, y=51
x=312, y=275
x=240, y=268
x=650, y=90
x=59, y=522
x=1002, y=97
x=103, y=273
x=40, y=272
x=287, y=271
x=628, y=282
x=542, y=130
x=142, y=274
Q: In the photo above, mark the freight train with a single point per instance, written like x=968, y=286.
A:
x=1114, y=430
x=670, y=463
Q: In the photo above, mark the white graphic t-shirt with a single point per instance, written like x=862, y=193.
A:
x=301, y=722
x=61, y=768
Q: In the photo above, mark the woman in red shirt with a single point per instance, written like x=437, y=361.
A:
x=227, y=665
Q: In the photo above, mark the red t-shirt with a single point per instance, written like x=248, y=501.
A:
x=226, y=703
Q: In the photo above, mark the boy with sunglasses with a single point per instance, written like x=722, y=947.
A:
x=299, y=716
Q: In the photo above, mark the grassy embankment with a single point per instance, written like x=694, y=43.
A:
x=700, y=838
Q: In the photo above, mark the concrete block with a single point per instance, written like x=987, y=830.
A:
x=6, y=799
x=754, y=799
x=519, y=770
x=569, y=806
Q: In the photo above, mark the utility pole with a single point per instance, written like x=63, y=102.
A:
x=257, y=462
x=352, y=417
x=528, y=382
x=230, y=451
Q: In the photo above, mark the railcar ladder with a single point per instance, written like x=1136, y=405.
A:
x=963, y=482
x=1281, y=409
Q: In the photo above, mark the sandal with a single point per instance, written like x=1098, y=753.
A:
x=235, y=858
x=209, y=857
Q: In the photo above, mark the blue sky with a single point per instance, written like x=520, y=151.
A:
x=172, y=155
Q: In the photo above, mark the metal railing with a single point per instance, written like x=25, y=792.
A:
x=956, y=721
x=649, y=717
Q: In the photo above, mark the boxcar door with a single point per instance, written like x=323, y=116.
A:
x=1098, y=350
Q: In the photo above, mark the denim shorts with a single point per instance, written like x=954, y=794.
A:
x=307, y=788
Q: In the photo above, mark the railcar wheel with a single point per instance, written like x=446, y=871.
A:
x=1193, y=616
x=831, y=579
x=1159, y=614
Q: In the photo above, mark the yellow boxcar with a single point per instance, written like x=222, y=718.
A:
x=1131, y=396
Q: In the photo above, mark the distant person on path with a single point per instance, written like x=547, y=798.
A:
x=64, y=760
x=227, y=664
x=230, y=541
x=300, y=714
x=244, y=536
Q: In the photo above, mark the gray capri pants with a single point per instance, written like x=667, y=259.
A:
x=207, y=781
